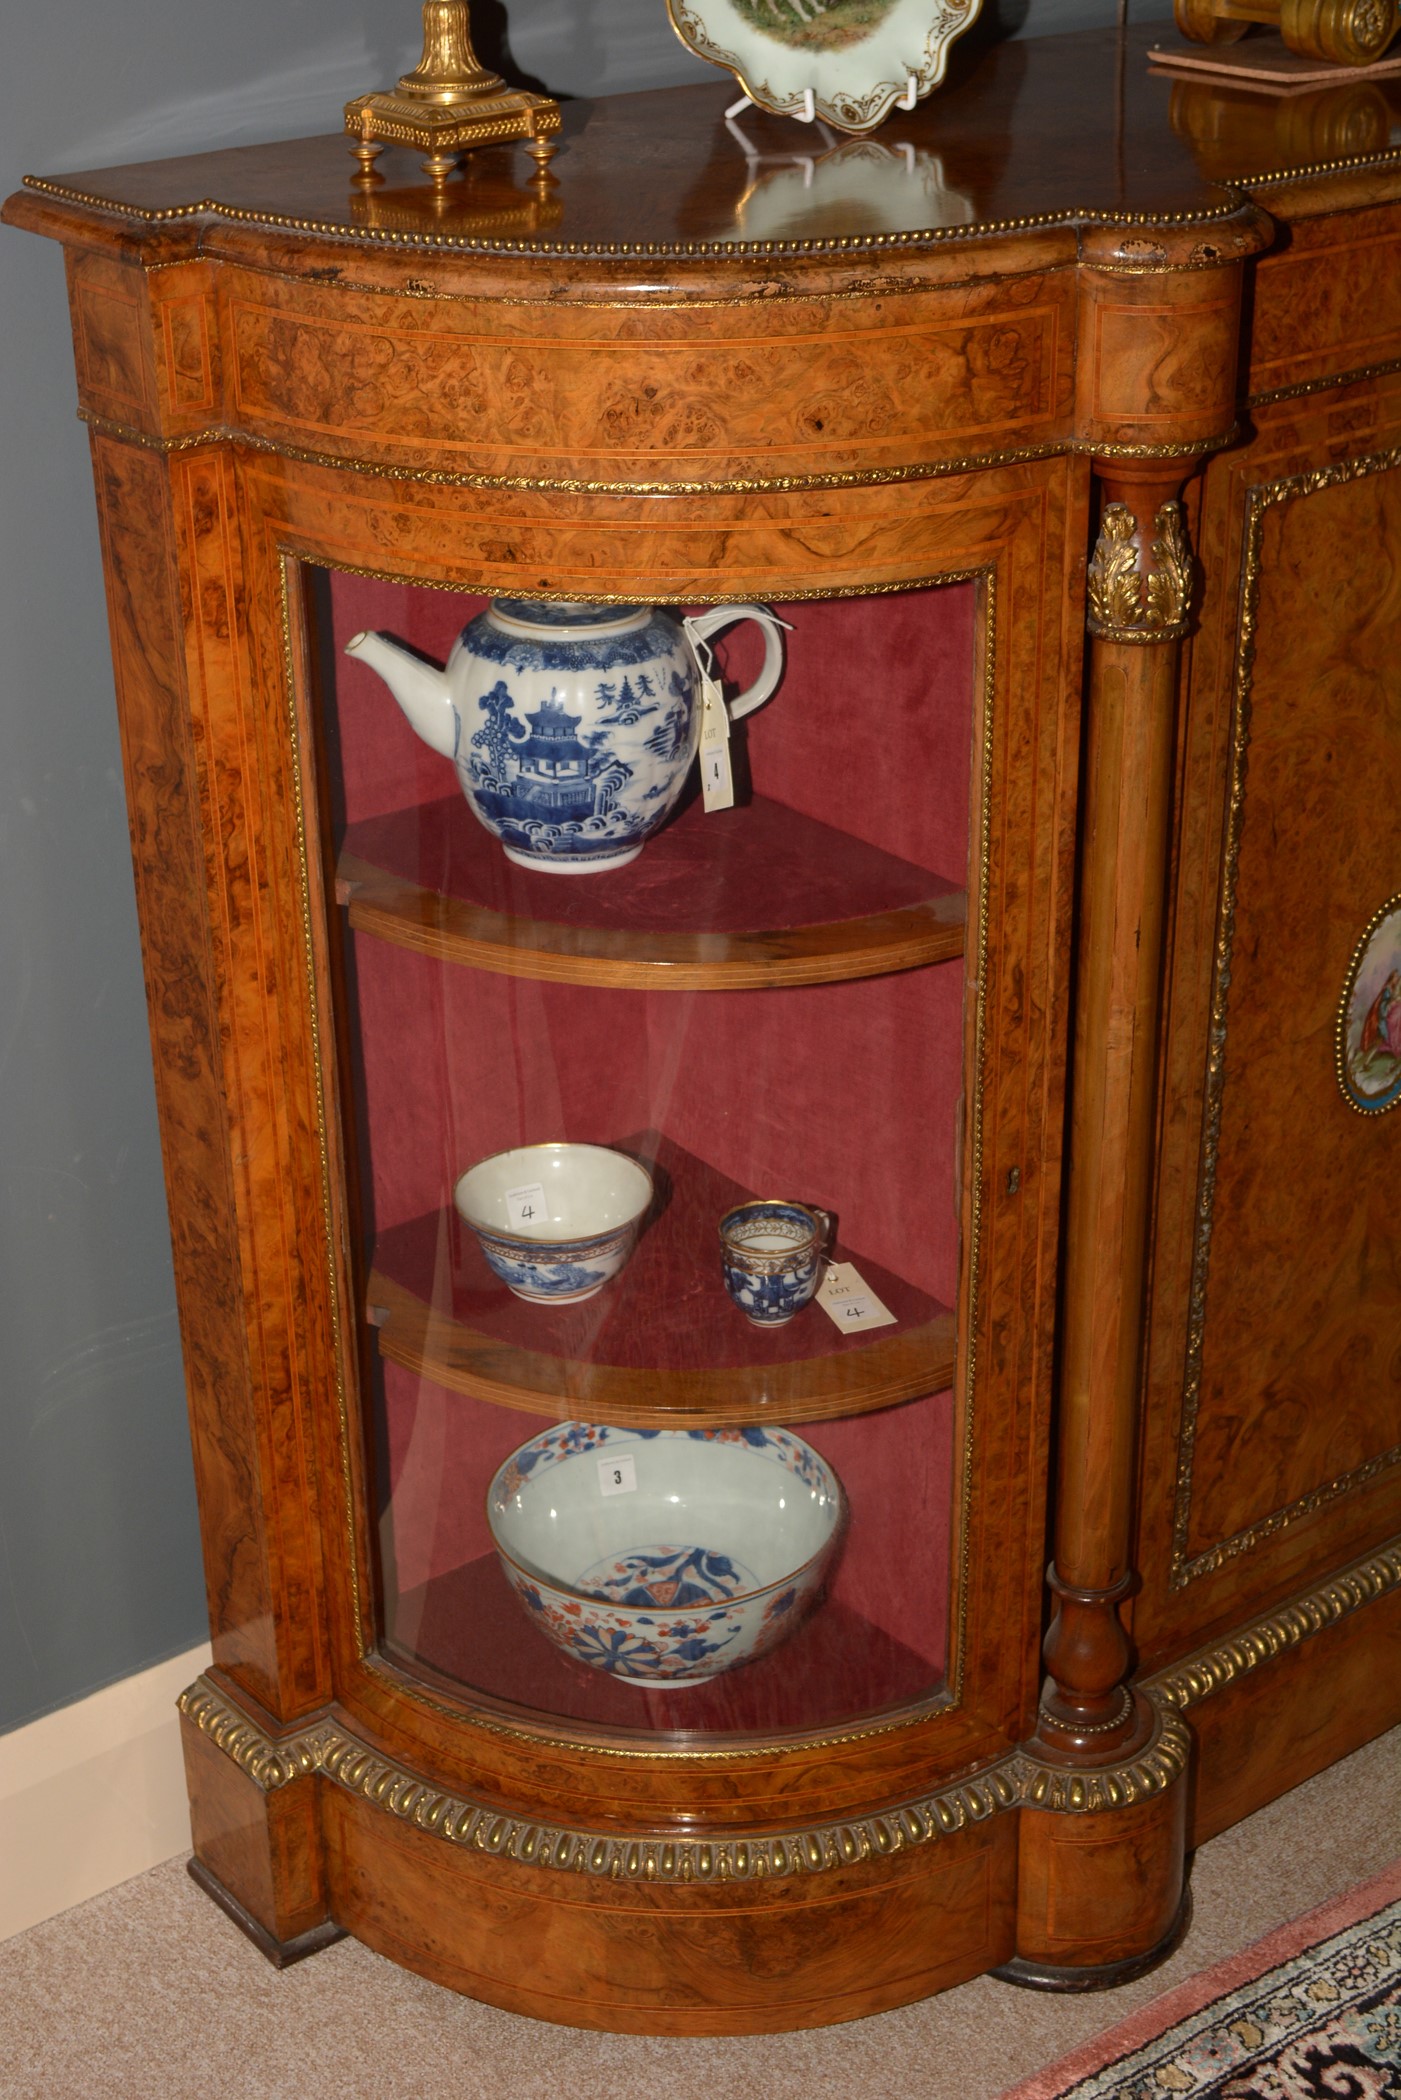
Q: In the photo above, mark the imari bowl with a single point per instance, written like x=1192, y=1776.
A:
x=555, y=1222
x=664, y=1556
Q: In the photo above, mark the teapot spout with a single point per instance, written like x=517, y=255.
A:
x=421, y=691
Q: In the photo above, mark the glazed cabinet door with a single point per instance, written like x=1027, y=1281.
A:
x=616, y=1552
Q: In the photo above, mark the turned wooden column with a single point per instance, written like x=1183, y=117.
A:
x=1159, y=321
x=1139, y=593
x=1101, y=1856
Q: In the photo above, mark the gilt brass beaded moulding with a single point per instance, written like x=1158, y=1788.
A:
x=739, y=485
x=331, y=1750
x=1264, y=1640
x=634, y=251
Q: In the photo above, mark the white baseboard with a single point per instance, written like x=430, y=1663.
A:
x=93, y=1794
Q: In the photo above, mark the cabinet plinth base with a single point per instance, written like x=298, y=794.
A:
x=281, y=1953
x=1031, y=1975
x=1101, y=1868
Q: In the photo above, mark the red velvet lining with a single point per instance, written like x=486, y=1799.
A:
x=892, y=1576
x=841, y=1095
x=905, y=659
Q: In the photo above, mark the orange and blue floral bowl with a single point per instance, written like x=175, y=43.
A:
x=664, y=1556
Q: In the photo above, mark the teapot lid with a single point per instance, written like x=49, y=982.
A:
x=565, y=616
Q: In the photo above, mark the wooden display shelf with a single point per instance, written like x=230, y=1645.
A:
x=660, y=1347
x=468, y=1628
x=743, y=898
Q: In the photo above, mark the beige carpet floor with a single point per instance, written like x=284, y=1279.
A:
x=149, y=1992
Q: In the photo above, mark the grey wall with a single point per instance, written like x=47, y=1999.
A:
x=99, y=1560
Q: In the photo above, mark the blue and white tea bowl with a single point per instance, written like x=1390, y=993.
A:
x=772, y=1254
x=664, y=1556
x=572, y=727
x=555, y=1222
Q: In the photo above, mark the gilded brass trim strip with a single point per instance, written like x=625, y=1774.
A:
x=604, y=251
x=1203, y=1675
x=570, y=597
x=1308, y=173
x=645, y=300
x=1187, y=1567
x=290, y=682
x=938, y=1706
x=975, y=1230
x=1330, y=383
x=1202, y=257
x=778, y=484
x=653, y=300
x=1013, y=1782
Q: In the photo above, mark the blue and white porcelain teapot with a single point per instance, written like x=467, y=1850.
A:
x=572, y=727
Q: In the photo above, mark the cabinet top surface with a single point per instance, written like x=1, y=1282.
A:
x=1049, y=132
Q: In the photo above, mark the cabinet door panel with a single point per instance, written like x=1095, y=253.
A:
x=1300, y=1365
x=1276, y=1366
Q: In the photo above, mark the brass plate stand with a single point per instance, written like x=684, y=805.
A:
x=449, y=104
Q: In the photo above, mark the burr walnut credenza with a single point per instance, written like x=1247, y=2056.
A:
x=1051, y=947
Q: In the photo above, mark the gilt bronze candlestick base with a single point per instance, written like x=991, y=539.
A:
x=449, y=104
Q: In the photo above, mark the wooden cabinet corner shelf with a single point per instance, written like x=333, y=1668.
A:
x=661, y=1347
x=992, y=456
x=837, y=1667
x=755, y=896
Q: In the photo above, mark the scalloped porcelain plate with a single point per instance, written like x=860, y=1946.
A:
x=853, y=57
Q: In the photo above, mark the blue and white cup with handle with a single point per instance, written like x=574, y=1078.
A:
x=772, y=1253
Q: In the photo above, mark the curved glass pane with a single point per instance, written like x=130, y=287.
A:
x=656, y=1131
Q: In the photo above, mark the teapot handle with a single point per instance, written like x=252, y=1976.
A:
x=708, y=623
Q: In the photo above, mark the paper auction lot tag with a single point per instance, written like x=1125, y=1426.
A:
x=849, y=1303
x=525, y=1204
x=717, y=776
x=617, y=1476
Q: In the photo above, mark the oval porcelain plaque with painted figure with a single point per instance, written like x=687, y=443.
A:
x=848, y=63
x=1369, y=1016
x=572, y=727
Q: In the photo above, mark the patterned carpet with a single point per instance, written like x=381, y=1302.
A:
x=1313, y=2012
